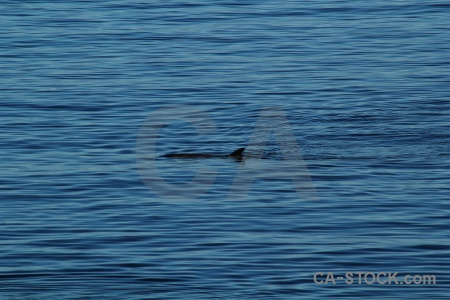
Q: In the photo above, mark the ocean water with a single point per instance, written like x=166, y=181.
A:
x=343, y=108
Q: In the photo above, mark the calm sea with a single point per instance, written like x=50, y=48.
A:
x=344, y=110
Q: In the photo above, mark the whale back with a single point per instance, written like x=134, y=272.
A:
x=238, y=152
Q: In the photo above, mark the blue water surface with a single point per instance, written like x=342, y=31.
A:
x=343, y=107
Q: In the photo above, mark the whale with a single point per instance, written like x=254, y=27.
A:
x=236, y=154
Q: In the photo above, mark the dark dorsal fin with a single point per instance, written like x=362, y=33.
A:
x=238, y=152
